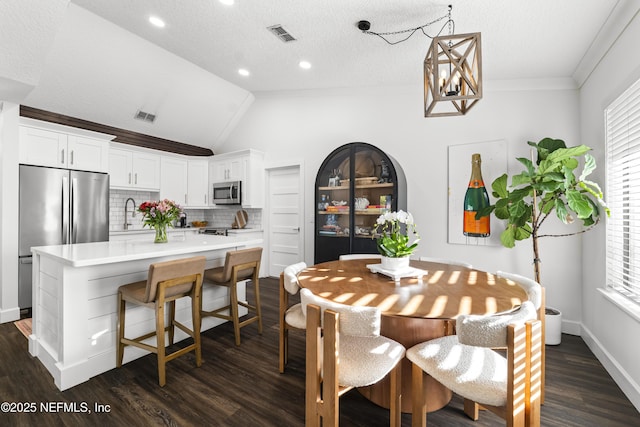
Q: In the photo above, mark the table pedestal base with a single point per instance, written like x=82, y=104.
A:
x=410, y=331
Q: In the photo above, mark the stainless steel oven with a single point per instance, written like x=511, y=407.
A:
x=227, y=193
x=214, y=231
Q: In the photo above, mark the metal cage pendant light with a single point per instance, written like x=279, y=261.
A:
x=452, y=67
x=452, y=75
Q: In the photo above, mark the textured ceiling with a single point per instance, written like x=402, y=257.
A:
x=521, y=38
x=101, y=61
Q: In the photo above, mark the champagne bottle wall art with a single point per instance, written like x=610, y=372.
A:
x=470, y=166
x=476, y=198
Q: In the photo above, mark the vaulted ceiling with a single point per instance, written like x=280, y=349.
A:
x=102, y=61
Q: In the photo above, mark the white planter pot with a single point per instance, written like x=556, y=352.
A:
x=553, y=326
x=395, y=264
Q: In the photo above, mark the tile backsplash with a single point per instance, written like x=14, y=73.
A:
x=218, y=217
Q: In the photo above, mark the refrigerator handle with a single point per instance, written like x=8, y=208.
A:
x=74, y=211
x=65, y=211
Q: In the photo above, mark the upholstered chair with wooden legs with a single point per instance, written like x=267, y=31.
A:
x=466, y=363
x=238, y=266
x=535, y=294
x=344, y=351
x=446, y=261
x=291, y=316
x=346, y=257
x=166, y=282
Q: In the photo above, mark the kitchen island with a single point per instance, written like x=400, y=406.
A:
x=75, y=299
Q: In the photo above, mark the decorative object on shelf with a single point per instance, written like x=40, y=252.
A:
x=334, y=179
x=323, y=203
x=385, y=201
x=361, y=203
x=452, y=67
x=364, y=166
x=160, y=215
x=384, y=172
x=393, y=229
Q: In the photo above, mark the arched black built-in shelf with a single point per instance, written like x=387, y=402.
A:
x=347, y=209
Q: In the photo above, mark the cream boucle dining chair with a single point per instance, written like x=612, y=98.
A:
x=291, y=316
x=346, y=257
x=345, y=350
x=535, y=294
x=446, y=261
x=466, y=363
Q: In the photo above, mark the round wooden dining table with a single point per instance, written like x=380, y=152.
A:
x=414, y=310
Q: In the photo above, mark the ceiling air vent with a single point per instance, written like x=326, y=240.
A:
x=281, y=33
x=147, y=117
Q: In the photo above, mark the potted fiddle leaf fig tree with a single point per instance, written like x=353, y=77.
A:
x=544, y=188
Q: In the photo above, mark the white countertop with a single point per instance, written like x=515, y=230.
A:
x=88, y=254
x=150, y=230
x=244, y=230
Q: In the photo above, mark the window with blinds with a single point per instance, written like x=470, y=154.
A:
x=622, y=120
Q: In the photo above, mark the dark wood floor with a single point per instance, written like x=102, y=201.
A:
x=241, y=386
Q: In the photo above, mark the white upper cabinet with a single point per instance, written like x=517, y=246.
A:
x=133, y=169
x=87, y=154
x=226, y=169
x=198, y=182
x=185, y=181
x=44, y=147
x=173, y=179
x=246, y=166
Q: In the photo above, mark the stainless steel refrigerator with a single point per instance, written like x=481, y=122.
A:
x=57, y=207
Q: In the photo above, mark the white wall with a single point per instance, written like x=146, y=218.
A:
x=9, y=114
x=310, y=125
x=610, y=332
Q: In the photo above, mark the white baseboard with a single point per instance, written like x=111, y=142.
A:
x=628, y=386
x=571, y=327
x=10, y=315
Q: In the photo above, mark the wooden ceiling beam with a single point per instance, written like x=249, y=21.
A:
x=122, y=136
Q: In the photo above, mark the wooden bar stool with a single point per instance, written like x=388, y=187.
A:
x=166, y=282
x=239, y=265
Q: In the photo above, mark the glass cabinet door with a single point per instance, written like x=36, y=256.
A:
x=355, y=184
x=374, y=194
x=332, y=204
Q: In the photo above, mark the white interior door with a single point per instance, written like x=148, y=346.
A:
x=284, y=218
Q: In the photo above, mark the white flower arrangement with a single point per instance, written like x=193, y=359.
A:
x=393, y=229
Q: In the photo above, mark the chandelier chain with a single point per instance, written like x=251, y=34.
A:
x=450, y=24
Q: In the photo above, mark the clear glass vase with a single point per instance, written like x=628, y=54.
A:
x=161, y=233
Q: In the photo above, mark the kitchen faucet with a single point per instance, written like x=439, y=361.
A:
x=133, y=213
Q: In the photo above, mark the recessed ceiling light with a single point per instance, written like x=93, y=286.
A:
x=227, y=2
x=243, y=72
x=305, y=65
x=156, y=21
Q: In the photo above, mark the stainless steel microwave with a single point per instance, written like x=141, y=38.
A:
x=227, y=193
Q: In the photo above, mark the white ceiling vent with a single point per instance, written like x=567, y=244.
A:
x=147, y=117
x=281, y=33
